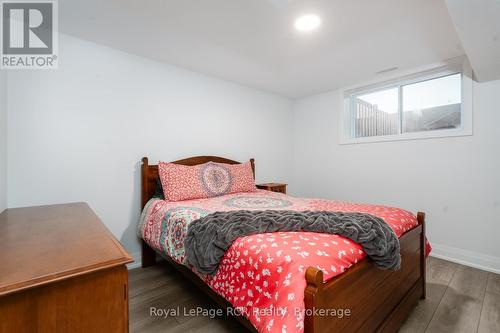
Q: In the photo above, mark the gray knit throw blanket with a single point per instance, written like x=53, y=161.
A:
x=209, y=237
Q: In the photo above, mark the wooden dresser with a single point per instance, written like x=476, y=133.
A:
x=61, y=270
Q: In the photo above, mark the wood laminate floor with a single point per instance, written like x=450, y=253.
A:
x=459, y=299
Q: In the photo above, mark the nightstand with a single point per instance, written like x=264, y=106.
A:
x=273, y=187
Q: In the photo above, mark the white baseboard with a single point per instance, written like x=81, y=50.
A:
x=466, y=257
x=137, y=260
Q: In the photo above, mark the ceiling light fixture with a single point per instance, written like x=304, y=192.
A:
x=307, y=22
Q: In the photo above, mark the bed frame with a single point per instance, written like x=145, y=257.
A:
x=378, y=300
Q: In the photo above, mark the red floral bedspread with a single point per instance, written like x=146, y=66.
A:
x=263, y=275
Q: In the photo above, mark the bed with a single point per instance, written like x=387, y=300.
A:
x=376, y=300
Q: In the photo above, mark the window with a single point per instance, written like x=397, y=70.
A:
x=422, y=106
x=433, y=104
x=376, y=113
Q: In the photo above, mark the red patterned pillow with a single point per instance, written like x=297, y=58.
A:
x=181, y=182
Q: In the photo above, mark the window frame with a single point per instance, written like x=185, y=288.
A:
x=347, y=119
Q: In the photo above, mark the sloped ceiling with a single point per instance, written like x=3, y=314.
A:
x=254, y=43
x=478, y=25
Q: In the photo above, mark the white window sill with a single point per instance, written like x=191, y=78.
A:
x=409, y=136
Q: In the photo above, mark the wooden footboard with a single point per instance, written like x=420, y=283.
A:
x=365, y=298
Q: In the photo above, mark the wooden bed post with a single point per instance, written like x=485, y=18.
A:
x=144, y=181
x=314, y=287
x=148, y=255
x=421, y=221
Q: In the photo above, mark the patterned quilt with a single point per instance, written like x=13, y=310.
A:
x=263, y=275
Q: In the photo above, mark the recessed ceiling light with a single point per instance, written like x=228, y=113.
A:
x=307, y=22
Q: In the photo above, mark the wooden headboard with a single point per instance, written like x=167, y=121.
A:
x=149, y=173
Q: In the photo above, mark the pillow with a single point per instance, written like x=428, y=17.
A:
x=182, y=182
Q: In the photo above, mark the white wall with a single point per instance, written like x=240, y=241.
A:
x=456, y=181
x=3, y=140
x=79, y=132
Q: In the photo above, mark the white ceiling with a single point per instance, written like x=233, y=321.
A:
x=478, y=25
x=253, y=42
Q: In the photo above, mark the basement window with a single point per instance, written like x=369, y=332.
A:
x=435, y=103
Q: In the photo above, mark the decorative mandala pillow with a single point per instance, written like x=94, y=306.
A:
x=182, y=182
